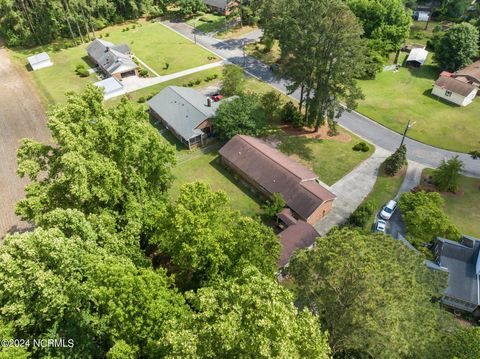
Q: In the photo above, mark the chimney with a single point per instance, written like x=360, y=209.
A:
x=209, y=102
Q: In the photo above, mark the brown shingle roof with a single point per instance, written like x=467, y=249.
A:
x=472, y=71
x=299, y=235
x=455, y=85
x=274, y=172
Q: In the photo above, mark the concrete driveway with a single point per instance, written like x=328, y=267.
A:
x=21, y=115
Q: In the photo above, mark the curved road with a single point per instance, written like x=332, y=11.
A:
x=231, y=50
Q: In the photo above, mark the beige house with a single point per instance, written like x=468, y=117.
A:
x=454, y=90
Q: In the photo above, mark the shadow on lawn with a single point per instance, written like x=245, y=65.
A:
x=429, y=72
x=296, y=145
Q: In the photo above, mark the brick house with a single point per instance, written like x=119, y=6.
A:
x=269, y=171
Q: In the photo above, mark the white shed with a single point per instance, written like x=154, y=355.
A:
x=421, y=15
x=417, y=57
x=39, y=61
x=112, y=87
x=454, y=90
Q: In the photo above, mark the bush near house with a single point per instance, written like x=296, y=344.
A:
x=361, y=216
x=361, y=146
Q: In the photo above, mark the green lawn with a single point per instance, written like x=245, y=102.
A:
x=329, y=159
x=151, y=42
x=418, y=33
x=257, y=50
x=463, y=208
x=393, y=98
x=208, y=22
x=384, y=189
x=207, y=168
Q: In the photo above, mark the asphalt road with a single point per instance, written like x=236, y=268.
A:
x=362, y=126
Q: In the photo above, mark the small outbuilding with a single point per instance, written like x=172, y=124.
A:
x=421, y=15
x=416, y=57
x=454, y=89
x=112, y=87
x=40, y=61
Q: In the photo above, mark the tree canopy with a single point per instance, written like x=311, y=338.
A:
x=100, y=160
x=27, y=23
x=372, y=294
x=206, y=240
x=447, y=176
x=458, y=47
x=243, y=115
x=249, y=316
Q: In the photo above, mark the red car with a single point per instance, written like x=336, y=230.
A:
x=216, y=97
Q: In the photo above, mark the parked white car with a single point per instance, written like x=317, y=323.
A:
x=388, y=210
x=380, y=226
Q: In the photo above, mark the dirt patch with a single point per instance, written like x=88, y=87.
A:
x=21, y=116
x=321, y=134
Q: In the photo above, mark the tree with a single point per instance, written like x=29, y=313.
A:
x=243, y=115
x=323, y=54
x=247, y=317
x=396, y=161
x=463, y=343
x=205, y=240
x=360, y=217
x=275, y=205
x=290, y=114
x=475, y=154
x=448, y=174
x=272, y=106
x=233, y=80
x=102, y=159
x=190, y=7
x=372, y=294
x=386, y=21
x=54, y=286
x=424, y=216
x=458, y=47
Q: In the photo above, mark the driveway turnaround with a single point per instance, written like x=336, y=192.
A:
x=21, y=115
x=380, y=136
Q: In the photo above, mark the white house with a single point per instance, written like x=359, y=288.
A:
x=454, y=90
x=39, y=61
x=417, y=57
x=112, y=87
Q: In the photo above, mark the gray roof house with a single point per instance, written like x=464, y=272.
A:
x=461, y=261
x=186, y=112
x=219, y=6
x=113, y=60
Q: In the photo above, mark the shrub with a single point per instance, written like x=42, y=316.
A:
x=134, y=26
x=198, y=82
x=80, y=66
x=82, y=72
x=167, y=65
x=447, y=176
x=396, y=161
x=291, y=115
x=361, y=146
x=150, y=96
x=142, y=100
x=107, y=34
x=143, y=72
x=361, y=216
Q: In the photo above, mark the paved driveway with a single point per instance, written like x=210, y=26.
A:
x=21, y=115
x=362, y=126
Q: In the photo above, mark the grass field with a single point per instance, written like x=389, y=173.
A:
x=207, y=168
x=257, y=50
x=393, y=98
x=151, y=42
x=463, y=208
x=384, y=189
x=329, y=159
x=207, y=22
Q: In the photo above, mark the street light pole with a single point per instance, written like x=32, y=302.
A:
x=409, y=126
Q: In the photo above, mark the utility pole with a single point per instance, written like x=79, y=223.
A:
x=409, y=126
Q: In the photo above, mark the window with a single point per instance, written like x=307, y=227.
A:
x=448, y=93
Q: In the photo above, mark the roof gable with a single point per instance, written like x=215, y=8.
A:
x=184, y=109
x=456, y=86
